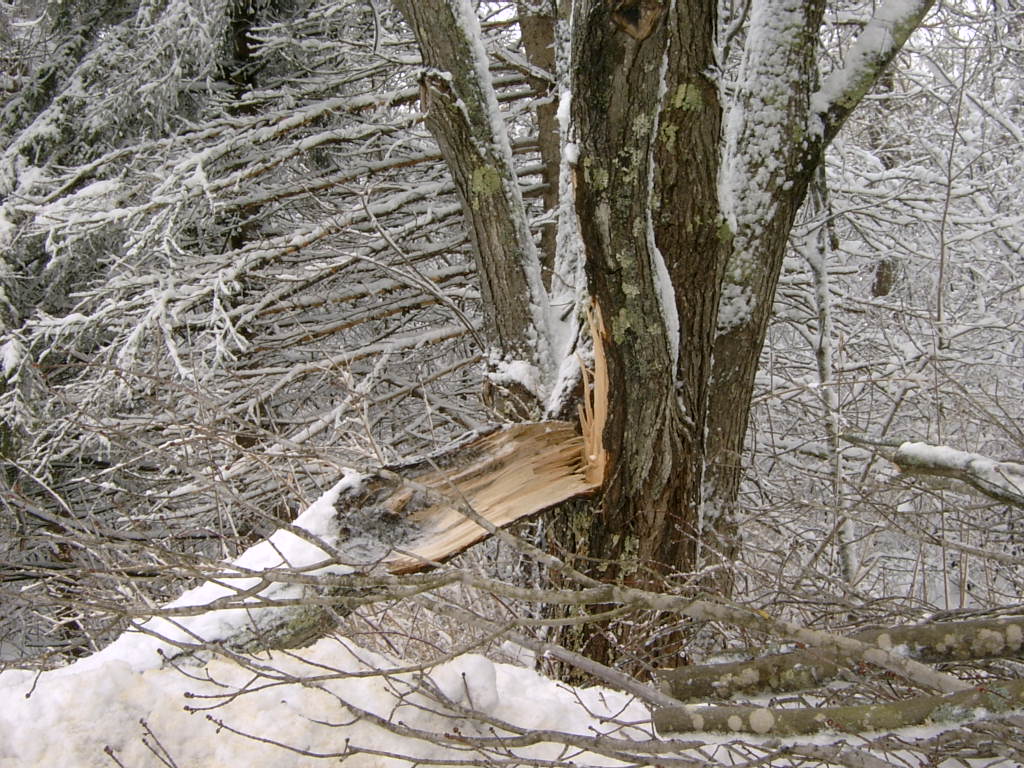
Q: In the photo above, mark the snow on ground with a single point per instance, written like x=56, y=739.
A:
x=71, y=719
x=134, y=698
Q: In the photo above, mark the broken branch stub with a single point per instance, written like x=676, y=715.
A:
x=502, y=477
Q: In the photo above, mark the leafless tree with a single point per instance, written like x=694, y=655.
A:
x=767, y=248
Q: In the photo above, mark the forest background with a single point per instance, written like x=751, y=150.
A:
x=252, y=247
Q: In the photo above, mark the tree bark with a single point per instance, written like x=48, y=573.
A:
x=807, y=669
x=649, y=122
x=770, y=159
x=999, y=696
x=778, y=133
x=779, y=130
x=463, y=116
x=537, y=25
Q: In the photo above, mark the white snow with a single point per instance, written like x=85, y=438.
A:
x=95, y=198
x=734, y=307
x=71, y=722
x=10, y=356
x=564, y=113
x=519, y=372
x=758, y=124
x=7, y=229
x=663, y=281
x=571, y=152
x=666, y=297
x=565, y=382
x=871, y=44
x=999, y=477
x=321, y=700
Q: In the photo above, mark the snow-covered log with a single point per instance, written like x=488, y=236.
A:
x=270, y=596
x=135, y=702
x=1000, y=480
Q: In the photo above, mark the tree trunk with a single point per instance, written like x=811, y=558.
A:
x=778, y=132
x=649, y=123
x=537, y=26
x=462, y=114
x=771, y=149
x=684, y=236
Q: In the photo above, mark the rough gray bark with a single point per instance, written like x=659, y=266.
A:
x=649, y=122
x=461, y=108
x=778, y=79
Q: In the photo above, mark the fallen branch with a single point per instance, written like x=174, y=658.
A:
x=996, y=697
x=278, y=593
x=808, y=668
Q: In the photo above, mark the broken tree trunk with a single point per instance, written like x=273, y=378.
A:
x=503, y=477
x=283, y=592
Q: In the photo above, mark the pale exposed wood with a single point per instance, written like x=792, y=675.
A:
x=593, y=410
x=408, y=519
x=512, y=474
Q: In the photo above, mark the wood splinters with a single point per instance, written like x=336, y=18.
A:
x=593, y=412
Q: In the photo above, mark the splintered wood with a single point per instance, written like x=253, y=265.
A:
x=593, y=411
x=503, y=477
x=410, y=520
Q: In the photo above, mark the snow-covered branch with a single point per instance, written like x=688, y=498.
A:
x=875, y=47
x=999, y=480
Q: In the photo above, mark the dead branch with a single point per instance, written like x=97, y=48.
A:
x=808, y=668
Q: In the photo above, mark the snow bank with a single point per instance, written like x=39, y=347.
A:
x=135, y=704
x=70, y=720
